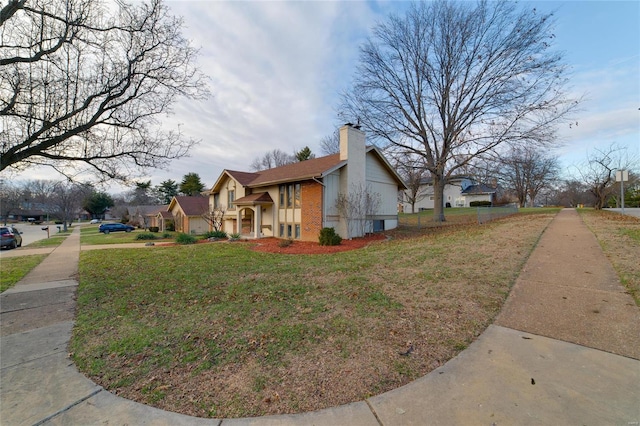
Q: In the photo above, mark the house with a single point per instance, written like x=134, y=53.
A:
x=459, y=191
x=144, y=216
x=164, y=221
x=297, y=200
x=187, y=213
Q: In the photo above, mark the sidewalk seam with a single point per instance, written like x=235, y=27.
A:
x=56, y=351
x=68, y=407
x=373, y=411
x=35, y=307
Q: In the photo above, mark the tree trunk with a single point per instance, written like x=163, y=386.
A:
x=438, y=197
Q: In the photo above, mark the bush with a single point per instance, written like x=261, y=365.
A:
x=285, y=243
x=167, y=235
x=146, y=236
x=484, y=203
x=154, y=229
x=328, y=237
x=185, y=239
x=215, y=234
x=234, y=236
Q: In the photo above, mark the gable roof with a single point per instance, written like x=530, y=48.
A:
x=191, y=206
x=303, y=170
x=254, y=199
x=308, y=169
x=479, y=189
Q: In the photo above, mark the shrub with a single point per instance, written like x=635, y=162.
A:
x=285, y=243
x=484, y=203
x=167, y=235
x=185, y=239
x=215, y=234
x=146, y=236
x=328, y=237
x=234, y=236
x=154, y=229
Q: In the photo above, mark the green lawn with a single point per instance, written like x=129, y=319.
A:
x=91, y=236
x=218, y=329
x=54, y=240
x=15, y=268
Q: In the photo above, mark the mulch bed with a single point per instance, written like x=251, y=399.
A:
x=272, y=245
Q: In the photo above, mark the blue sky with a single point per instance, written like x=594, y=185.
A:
x=277, y=68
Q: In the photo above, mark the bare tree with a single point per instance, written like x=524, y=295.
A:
x=412, y=170
x=67, y=199
x=451, y=81
x=330, y=144
x=271, y=159
x=599, y=170
x=10, y=197
x=527, y=170
x=357, y=208
x=83, y=82
x=215, y=217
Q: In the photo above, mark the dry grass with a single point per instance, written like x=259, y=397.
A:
x=619, y=237
x=223, y=331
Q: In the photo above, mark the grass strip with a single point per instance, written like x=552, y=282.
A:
x=619, y=237
x=15, y=268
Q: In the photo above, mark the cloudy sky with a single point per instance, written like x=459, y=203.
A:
x=276, y=69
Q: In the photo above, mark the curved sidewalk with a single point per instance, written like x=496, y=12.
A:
x=564, y=350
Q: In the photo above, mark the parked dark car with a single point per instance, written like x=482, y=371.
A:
x=10, y=237
x=115, y=227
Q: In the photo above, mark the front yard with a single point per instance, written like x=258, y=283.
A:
x=220, y=330
x=91, y=236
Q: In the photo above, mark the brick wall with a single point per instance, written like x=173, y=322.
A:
x=311, y=209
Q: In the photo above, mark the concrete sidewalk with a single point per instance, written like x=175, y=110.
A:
x=564, y=350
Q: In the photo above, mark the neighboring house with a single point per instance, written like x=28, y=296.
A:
x=25, y=215
x=150, y=216
x=141, y=216
x=187, y=213
x=459, y=191
x=297, y=200
x=164, y=221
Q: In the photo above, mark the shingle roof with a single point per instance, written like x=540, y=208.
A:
x=257, y=198
x=303, y=170
x=192, y=206
x=296, y=171
x=479, y=189
x=243, y=178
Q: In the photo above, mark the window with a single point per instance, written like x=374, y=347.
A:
x=290, y=196
x=297, y=196
x=281, y=234
x=297, y=232
x=232, y=198
x=216, y=200
x=289, y=233
x=282, y=196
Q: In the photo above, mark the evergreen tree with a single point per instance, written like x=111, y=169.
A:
x=191, y=184
x=167, y=190
x=304, y=154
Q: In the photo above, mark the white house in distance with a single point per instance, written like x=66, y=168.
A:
x=297, y=200
x=459, y=191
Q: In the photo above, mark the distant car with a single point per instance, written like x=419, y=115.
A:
x=94, y=221
x=115, y=227
x=10, y=237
